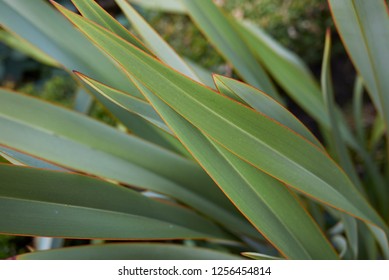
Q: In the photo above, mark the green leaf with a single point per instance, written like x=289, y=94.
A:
x=204, y=74
x=77, y=142
x=152, y=39
x=130, y=251
x=60, y=40
x=258, y=256
x=222, y=34
x=364, y=29
x=128, y=102
x=286, y=68
x=47, y=203
x=82, y=101
x=377, y=133
x=358, y=108
x=264, y=104
x=18, y=158
x=258, y=140
x=140, y=127
x=64, y=43
x=341, y=244
x=258, y=192
x=254, y=199
x=351, y=229
x=14, y=41
x=295, y=78
x=91, y=10
x=340, y=147
x=169, y=6
x=341, y=151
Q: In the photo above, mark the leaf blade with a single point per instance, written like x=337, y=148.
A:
x=76, y=142
x=47, y=203
x=130, y=251
x=219, y=30
x=264, y=104
x=257, y=192
x=184, y=93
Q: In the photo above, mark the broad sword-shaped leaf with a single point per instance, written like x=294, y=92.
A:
x=253, y=137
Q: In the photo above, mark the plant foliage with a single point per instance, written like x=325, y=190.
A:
x=198, y=158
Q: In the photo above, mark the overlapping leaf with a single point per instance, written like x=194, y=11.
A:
x=90, y=9
x=255, y=138
x=128, y=102
x=257, y=188
x=289, y=71
x=263, y=200
x=18, y=158
x=39, y=202
x=77, y=142
x=264, y=104
x=64, y=43
x=222, y=34
x=152, y=39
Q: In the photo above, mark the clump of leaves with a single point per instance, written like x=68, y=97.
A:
x=209, y=157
